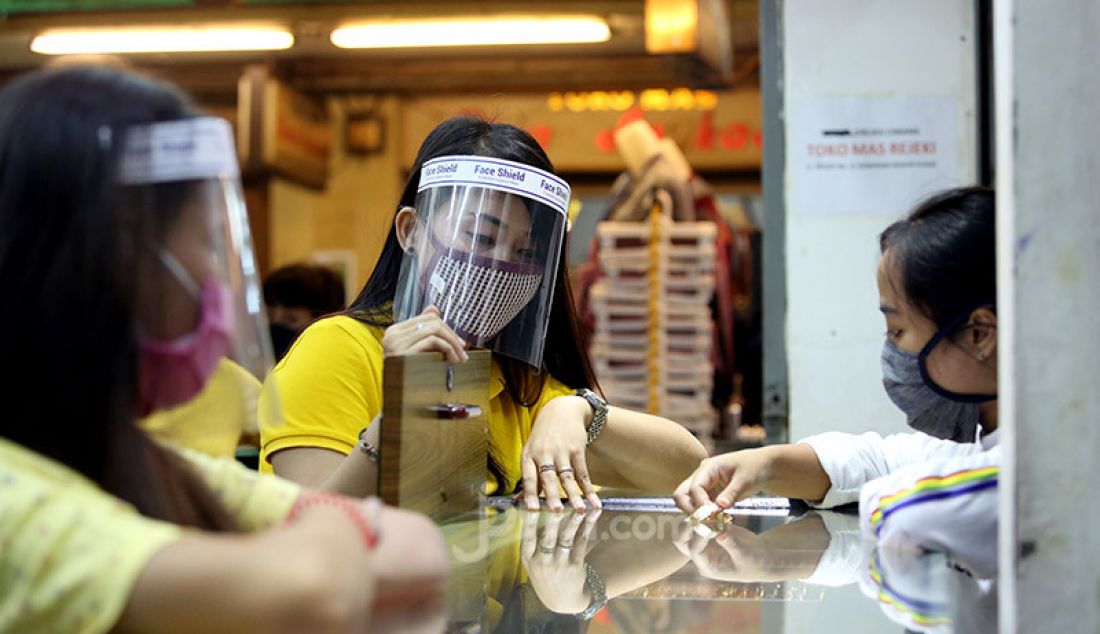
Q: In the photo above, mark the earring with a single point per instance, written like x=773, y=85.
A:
x=981, y=356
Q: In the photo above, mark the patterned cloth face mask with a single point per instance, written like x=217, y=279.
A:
x=479, y=295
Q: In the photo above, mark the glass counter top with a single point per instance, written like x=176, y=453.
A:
x=759, y=571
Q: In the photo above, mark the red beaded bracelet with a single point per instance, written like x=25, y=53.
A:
x=350, y=508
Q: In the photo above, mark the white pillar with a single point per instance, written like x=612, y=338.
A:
x=1047, y=56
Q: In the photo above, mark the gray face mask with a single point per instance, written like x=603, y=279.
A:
x=926, y=410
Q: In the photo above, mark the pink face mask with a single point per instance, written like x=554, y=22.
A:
x=173, y=372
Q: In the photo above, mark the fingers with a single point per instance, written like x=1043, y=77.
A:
x=438, y=344
x=530, y=484
x=698, y=490
x=548, y=537
x=580, y=467
x=731, y=540
x=584, y=541
x=407, y=337
x=550, y=484
x=530, y=540
x=682, y=537
x=433, y=321
x=682, y=498
x=568, y=479
x=712, y=474
x=734, y=491
x=689, y=543
x=692, y=493
x=567, y=538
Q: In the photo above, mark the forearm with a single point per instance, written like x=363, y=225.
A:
x=795, y=472
x=289, y=579
x=354, y=475
x=357, y=476
x=627, y=565
x=648, y=452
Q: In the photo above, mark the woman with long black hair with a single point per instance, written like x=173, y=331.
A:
x=125, y=263
x=472, y=258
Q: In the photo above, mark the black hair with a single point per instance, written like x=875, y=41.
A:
x=945, y=253
x=68, y=253
x=311, y=286
x=564, y=358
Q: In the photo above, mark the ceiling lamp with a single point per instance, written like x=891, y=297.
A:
x=161, y=39
x=488, y=31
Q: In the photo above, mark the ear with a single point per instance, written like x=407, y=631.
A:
x=983, y=333
x=406, y=226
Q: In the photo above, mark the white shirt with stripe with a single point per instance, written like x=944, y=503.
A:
x=917, y=490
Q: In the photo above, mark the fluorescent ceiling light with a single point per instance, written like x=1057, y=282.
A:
x=161, y=39
x=489, y=31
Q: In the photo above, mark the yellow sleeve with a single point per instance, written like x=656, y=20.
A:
x=329, y=386
x=214, y=420
x=69, y=553
x=256, y=500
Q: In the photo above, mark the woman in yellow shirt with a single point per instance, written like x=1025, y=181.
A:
x=121, y=228
x=472, y=258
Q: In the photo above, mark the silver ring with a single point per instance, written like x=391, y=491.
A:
x=565, y=471
x=547, y=467
x=547, y=551
x=565, y=546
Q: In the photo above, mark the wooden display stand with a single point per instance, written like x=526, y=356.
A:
x=434, y=445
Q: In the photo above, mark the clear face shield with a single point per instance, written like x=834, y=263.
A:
x=199, y=301
x=485, y=251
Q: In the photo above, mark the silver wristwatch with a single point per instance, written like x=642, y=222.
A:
x=597, y=590
x=599, y=412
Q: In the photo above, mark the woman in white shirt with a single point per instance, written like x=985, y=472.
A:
x=937, y=288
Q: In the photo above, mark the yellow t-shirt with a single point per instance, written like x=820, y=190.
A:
x=255, y=501
x=71, y=552
x=214, y=420
x=330, y=387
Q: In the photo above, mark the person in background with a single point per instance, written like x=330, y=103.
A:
x=116, y=201
x=936, y=486
x=296, y=295
x=472, y=259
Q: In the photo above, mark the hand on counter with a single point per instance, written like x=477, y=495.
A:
x=554, y=555
x=789, y=551
x=554, y=460
x=577, y=560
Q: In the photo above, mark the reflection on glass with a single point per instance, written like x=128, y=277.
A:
x=627, y=571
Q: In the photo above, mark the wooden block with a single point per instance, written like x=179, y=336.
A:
x=432, y=464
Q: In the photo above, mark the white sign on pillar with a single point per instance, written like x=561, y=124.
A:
x=871, y=155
